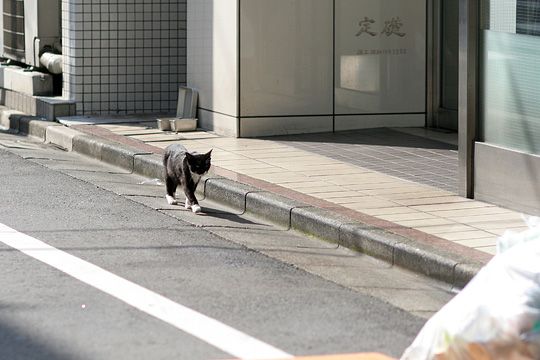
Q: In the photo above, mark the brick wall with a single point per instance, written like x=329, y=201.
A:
x=124, y=56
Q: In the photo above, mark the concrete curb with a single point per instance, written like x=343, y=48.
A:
x=7, y=120
x=274, y=208
x=228, y=192
x=398, y=250
x=61, y=136
x=149, y=165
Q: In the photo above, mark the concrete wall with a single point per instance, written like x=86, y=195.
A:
x=212, y=62
x=272, y=67
x=124, y=56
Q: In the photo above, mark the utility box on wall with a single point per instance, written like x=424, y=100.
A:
x=273, y=67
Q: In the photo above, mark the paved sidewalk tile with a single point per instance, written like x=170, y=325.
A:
x=392, y=175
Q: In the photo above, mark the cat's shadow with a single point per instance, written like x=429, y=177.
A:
x=208, y=211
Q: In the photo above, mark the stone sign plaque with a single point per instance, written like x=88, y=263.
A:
x=380, y=56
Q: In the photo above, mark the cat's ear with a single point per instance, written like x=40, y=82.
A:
x=189, y=156
x=208, y=154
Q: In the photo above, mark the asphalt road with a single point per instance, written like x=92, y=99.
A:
x=296, y=295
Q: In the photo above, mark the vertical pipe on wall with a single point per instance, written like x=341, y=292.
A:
x=468, y=94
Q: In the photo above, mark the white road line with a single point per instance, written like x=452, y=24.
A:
x=196, y=324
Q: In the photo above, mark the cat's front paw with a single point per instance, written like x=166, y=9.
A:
x=196, y=209
x=171, y=200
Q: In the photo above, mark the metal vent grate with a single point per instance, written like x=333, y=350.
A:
x=14, y=44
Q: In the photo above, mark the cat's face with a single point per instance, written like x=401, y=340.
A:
x=199, y=163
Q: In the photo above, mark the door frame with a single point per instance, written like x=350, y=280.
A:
x=433, y=63
x=437, y=116
x=468, y=26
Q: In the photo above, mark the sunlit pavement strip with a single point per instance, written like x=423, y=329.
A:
x=196, y=324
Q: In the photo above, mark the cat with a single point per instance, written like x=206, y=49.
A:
x=184, y=169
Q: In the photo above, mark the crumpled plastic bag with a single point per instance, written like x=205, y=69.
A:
x=497, y=315
x=511, y=238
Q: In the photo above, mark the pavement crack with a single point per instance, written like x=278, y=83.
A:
x=233, y=227
x=45, y=158
x=144, y=196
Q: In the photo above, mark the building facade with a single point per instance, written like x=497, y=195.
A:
x=119, y=56
x=280, y=67
x=123, y=56
x=270, y=67
x=504, y=141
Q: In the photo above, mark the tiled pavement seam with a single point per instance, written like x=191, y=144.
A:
x=403, y=246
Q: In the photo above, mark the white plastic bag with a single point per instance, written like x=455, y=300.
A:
x=511, y=238
x=496, y=316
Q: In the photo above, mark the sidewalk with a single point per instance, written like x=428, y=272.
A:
x=382, y=189
x=354, y=188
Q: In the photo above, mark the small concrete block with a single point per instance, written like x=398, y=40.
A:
x=318, y=222
x=13, y=122
x=88, y=145
x=149, y=165
x=24, y=122
x=369, y=240
x=27, y=82
x=202, y=184
x=62, y=110
x=426, y=260
x=228, y=192
x=184, y=124
x=42, y=84
x=31, y=105
x=119, y=155
x=61, y=136
x=21, y=102
x=9, y=98
x=3, y=123
x=9, y=119
x=56, y=100
x=6, y=76
x=164, y=124
x=2, y=82
x=463, y=273
x=35, y=126
x=272, y=207
x=53, y=107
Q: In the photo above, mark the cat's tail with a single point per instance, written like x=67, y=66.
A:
x=166, y=156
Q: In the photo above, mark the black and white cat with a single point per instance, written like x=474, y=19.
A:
x=184, y=169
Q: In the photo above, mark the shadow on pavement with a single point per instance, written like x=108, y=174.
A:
x=17, y=344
